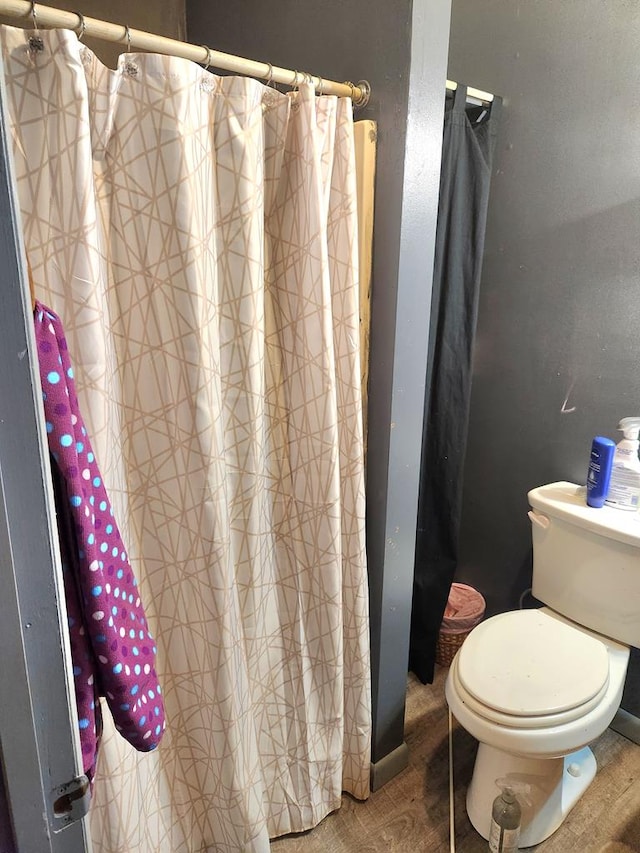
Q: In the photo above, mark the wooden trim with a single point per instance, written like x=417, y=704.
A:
x=366, y=134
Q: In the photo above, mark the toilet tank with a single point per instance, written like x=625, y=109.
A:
x=586, y=561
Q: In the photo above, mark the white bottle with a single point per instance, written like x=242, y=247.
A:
x=624, y=488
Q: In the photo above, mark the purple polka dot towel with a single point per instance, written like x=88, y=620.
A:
x=112, y=650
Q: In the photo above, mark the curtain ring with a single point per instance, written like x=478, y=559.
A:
x=295, y=84
x=270, y=77
x=208, y=49
x=82, y=25
x=128, y=35
x=320, y=85
x=352, y=87
x=34, y=16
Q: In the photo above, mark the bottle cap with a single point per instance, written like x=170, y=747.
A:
x=630, y=427
x=520, y=791
x=507, y=795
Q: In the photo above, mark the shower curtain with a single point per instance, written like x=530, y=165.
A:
x=197, y=235
x=467, y=154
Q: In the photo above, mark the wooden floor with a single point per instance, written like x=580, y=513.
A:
x=411, y=813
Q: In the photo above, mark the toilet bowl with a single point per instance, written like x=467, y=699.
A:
x=534, y=689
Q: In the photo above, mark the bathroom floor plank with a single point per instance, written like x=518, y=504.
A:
x=411, y=813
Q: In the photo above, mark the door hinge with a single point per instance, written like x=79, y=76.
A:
x=71, y=801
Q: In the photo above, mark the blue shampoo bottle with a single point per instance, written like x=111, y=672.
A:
x=599, y=474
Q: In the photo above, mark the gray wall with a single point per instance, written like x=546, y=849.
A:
x=163, y=17
x=558, y=343
x=400, y=47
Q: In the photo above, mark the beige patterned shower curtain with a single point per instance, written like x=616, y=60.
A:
x=197, y=235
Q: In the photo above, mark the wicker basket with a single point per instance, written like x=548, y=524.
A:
x=465, y=609
x=448, y=645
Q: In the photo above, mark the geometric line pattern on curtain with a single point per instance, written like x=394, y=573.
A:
x=198, y=237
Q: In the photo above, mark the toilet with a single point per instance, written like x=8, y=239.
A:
x=535, y=687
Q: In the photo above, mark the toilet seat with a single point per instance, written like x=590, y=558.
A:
x=529, y=669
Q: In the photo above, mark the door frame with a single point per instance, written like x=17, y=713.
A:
x=39, y=740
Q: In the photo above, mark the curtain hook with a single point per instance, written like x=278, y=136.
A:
x=82, y=25
x=128, y=35
x=270, y=77
x=36, y=44
x=295, y=84
x=208, y=60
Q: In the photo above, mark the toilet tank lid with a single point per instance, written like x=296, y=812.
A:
x=568, y=501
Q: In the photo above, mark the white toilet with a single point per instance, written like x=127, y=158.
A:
x=535, y=687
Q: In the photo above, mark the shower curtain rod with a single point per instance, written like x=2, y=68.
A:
x=141, y=40
x=471, y=92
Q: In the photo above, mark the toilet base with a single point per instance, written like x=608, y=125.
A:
x=554, y=786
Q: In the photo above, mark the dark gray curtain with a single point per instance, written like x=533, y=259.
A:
x=467, y=153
